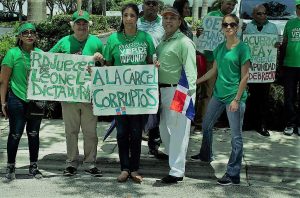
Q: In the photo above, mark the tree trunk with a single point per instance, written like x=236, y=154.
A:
x=90, y=6
x=51, y=13
x=36, y=11
x=103, y=7
x=195, y=10
x=204, y=8
x=20, y=3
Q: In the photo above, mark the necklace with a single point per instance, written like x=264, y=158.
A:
x=26, y=66
x=129, y=40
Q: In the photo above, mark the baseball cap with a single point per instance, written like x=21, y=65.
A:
x=297, y=2
x=170, y=10
x=81, y=15
x=26, y=26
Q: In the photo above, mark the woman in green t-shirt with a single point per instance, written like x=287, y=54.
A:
x=129, y=46
x=15, y=70
x=231, y=65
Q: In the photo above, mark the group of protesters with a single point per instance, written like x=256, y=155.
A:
x=167, y=43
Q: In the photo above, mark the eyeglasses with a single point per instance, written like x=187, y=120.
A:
x=261, y=13
x=28, y=33
x=153, y=3
x=231, y=25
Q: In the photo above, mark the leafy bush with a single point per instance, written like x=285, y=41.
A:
x=7, y=41
x=113, y=22
x=190, y=21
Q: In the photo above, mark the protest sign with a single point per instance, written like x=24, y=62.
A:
x=59, y=77
x=121, y=90
x=212, y=34
x=263, y=57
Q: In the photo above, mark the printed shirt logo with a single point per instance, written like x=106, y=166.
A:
x=296, y=34
x=133, y=53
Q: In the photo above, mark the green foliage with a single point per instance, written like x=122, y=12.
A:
x=100, y=24
x=116, y=5
x=190, y=21
x=113, y=22
x=7, y=41
x=51, y=31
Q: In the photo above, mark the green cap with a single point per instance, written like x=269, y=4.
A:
x=26, y=26
x=84, y=15
x=297, y=2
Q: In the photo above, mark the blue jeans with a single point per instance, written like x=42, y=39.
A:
x=17, y=109
x=214, y=110
x=129, y=138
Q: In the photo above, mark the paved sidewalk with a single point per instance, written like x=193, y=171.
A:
x=272, y=159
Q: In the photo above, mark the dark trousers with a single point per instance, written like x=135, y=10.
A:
x=292, y=95
x=129, y=137
x=152, y=126
x=17, y=109
x=257, y=105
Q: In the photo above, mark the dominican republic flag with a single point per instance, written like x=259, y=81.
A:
x=182, y=102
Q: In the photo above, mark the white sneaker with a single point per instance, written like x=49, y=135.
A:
x=288, y=131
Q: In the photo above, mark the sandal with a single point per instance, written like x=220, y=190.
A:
x=123, y=176
x=136, y=177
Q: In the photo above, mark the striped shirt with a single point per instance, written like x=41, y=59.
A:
x=154, y=28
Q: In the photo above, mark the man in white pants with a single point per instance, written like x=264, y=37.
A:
x=175, y=51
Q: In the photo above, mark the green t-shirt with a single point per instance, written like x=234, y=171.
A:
x=292, y=33
x=209, y=54
x=132, y=51
x=229, y=63
x=19, y=61
x=70, y=45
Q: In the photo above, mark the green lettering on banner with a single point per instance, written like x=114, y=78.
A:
x=118, y=80
x=124, y=76
x=95, y=97
x=112, y=100
x=150, y=95
x=121, y=100
x=97, y=78
x=131, y=87
x=69, y=63
x=35, y=58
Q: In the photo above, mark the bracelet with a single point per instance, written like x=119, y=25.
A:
x=4, y=104
x=237, y=100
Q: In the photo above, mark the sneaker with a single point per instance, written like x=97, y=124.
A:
x=70, y=171
x=34, y=171
x=10, y=172
x=227, y=180
x=94, y=172
x=199, y=158
x=288, y=131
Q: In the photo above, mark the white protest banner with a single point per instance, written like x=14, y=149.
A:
x=212, y=34
x=264, y=57
x=121, y=90
x=59, y=77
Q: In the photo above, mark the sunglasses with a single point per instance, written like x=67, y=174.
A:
x=153, y=3
x=261, y=13
x=28, y=33
x=231, y=25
